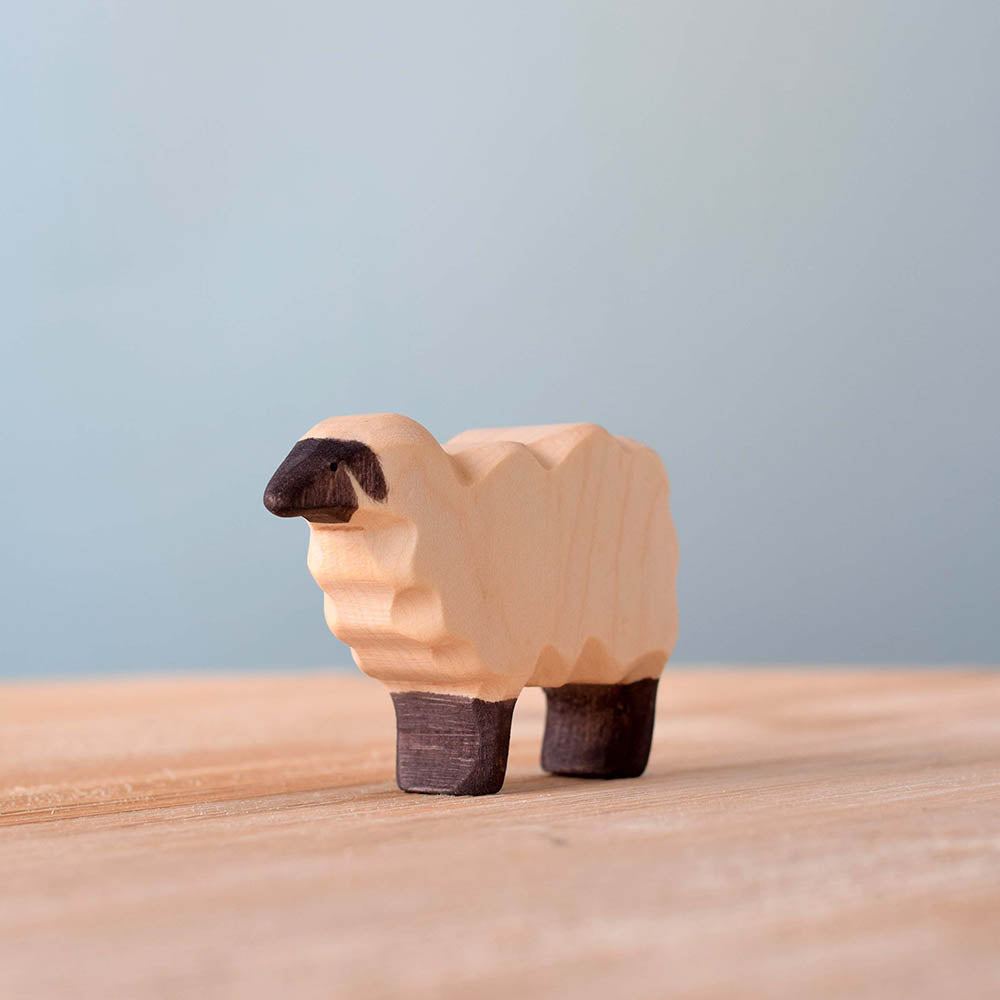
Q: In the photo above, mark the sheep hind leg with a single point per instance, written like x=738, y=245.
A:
x=450, y=745
x=599, y=730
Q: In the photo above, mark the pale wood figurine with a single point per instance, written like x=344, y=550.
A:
x=541, y=556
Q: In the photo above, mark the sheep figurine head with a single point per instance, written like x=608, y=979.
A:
x=354, y=472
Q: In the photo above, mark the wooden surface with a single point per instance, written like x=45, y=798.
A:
x=797, y=834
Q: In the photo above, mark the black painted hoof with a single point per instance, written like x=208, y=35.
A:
x=450, y=745
x=599, y=730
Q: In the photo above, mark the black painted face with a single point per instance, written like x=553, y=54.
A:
x=313, y=481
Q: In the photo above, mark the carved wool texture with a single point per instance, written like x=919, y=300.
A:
x=509, y=557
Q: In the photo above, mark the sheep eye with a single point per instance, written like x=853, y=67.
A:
x=333, y=466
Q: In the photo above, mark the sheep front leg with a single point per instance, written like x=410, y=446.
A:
x=447, y=744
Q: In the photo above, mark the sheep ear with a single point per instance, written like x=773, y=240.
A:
x=367, y=470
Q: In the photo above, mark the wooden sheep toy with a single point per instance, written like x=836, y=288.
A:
x=524, y=556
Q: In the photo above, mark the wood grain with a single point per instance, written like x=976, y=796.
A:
x=505, y=557
x=797, y=834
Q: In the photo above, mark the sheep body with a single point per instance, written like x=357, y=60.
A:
x=506, y=558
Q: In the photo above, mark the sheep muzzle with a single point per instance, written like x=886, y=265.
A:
x=316, y=480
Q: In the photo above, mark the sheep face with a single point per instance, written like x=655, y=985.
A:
x=317, y=480
x=355, y=471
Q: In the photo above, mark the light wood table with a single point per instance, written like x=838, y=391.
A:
x=798, y=834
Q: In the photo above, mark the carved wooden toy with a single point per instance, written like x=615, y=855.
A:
x=459, y=574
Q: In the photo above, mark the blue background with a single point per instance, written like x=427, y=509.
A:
x=761, y=237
